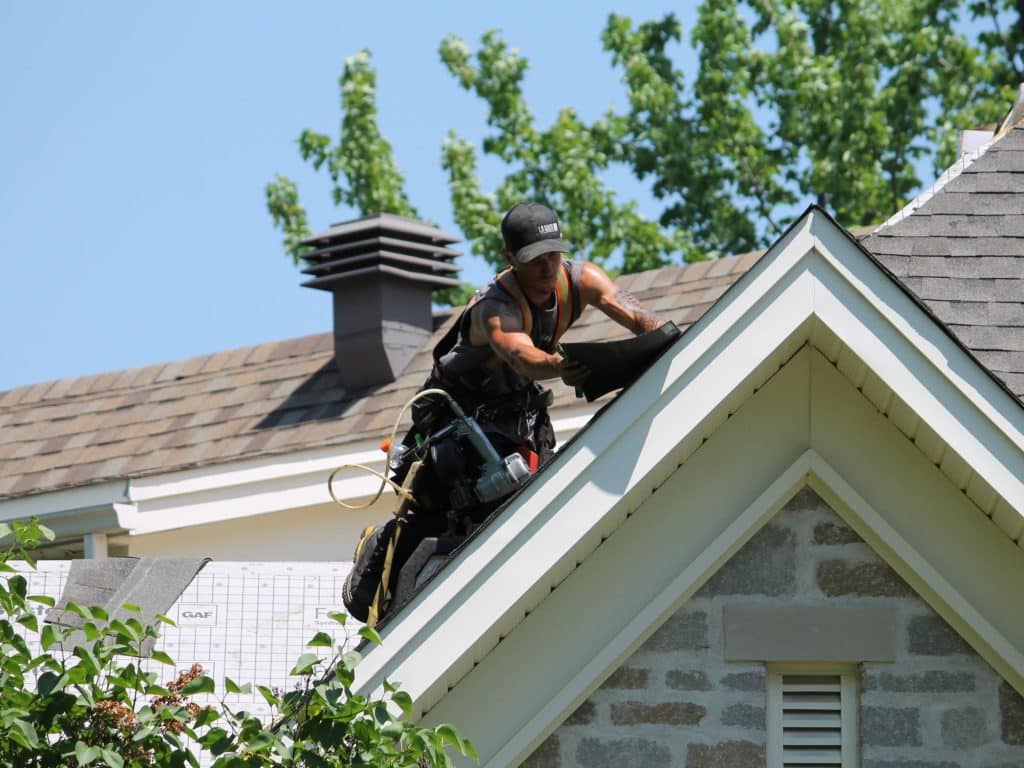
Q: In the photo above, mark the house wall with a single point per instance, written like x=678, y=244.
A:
x=321, y=533
x=677, y=701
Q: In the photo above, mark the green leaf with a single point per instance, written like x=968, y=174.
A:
x=403, y=700
x=83, y=652
x=29, y=620
x=370, y=634
x=85, y=754
x=43, y=600
x=111, y=758
x=206, y=716
x=165, y=620
x=305, y=664
x=338, y=617
x=162, y=657
x=448, y=735
x=201, y=684
x=27, y=732
x=321, y=640
x=269, y=696
x=232, y=687
x=131, y=607
x=48, y=636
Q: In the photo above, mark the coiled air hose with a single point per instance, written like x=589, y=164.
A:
x=384, y=479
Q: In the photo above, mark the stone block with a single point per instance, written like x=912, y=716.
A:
x=766, y=565
x=1011, y=712
x=932, y=681
x=964, y=728
x=622, y=753
x=805, y=499
x=744, y=681
x=584, y=714
x=932, y=636
x=744, y=716
x=628, y=678
x=830, y=534
x=734, y=754
x=547, y=755
x=687, y=680
x=665, y=713
x=890, y=727
x=839, y=578
x=684, y=631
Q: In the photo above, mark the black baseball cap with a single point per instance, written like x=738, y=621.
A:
x=530, y=229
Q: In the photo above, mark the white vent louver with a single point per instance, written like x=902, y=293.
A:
x=812, y=720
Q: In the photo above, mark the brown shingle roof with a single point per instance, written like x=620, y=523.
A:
x=962, y=254
x=255, y=401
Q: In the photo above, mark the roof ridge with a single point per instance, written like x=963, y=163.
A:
x=961, y=165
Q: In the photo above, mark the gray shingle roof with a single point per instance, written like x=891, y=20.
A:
x=257, y=401
x=962, y=253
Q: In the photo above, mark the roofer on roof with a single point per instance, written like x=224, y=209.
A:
x=490, y=361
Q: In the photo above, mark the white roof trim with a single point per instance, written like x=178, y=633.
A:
x=230, y=491
x=962, y=163
x=814, y=275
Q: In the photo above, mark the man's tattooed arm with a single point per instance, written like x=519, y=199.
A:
x=638, y=319
x=599, y=290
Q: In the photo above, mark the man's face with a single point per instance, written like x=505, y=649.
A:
x=541, y=273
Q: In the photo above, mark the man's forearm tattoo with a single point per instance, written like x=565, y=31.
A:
x=640, y=320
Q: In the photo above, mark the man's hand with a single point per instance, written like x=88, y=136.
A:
x=573, y=372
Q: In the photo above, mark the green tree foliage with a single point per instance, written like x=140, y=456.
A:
x=560, y=166
x=363, y=171
x=801, y=100
x=88, y=700
x=838, y=102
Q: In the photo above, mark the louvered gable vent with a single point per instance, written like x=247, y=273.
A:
x=814, y=720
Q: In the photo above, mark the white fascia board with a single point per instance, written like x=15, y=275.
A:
x=49, y=505
x=919, y=361
x=589, y=488
x=271, y=484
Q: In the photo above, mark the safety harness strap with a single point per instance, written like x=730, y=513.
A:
x=509, y=283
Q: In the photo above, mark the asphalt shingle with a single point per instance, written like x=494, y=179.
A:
x=255, y=401
x=962, y=253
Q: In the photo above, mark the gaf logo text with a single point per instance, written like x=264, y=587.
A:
x=197, y=615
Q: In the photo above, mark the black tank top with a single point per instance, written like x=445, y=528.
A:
x=466, y=362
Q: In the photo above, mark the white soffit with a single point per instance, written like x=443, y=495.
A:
x=814, y=278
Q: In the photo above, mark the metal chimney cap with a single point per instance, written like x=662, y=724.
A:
x=382, y=223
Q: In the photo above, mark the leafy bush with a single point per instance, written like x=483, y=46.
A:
x=88, y=699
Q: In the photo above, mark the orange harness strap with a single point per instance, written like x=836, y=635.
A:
x=509, y=283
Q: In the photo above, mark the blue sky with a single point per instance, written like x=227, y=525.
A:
x=137, y=138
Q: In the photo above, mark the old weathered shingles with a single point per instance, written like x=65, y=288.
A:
x=255, y=401
x=962, y=253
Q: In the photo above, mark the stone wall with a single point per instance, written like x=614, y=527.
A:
x=677, y=703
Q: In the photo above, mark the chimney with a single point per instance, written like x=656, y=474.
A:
x=382, y=271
